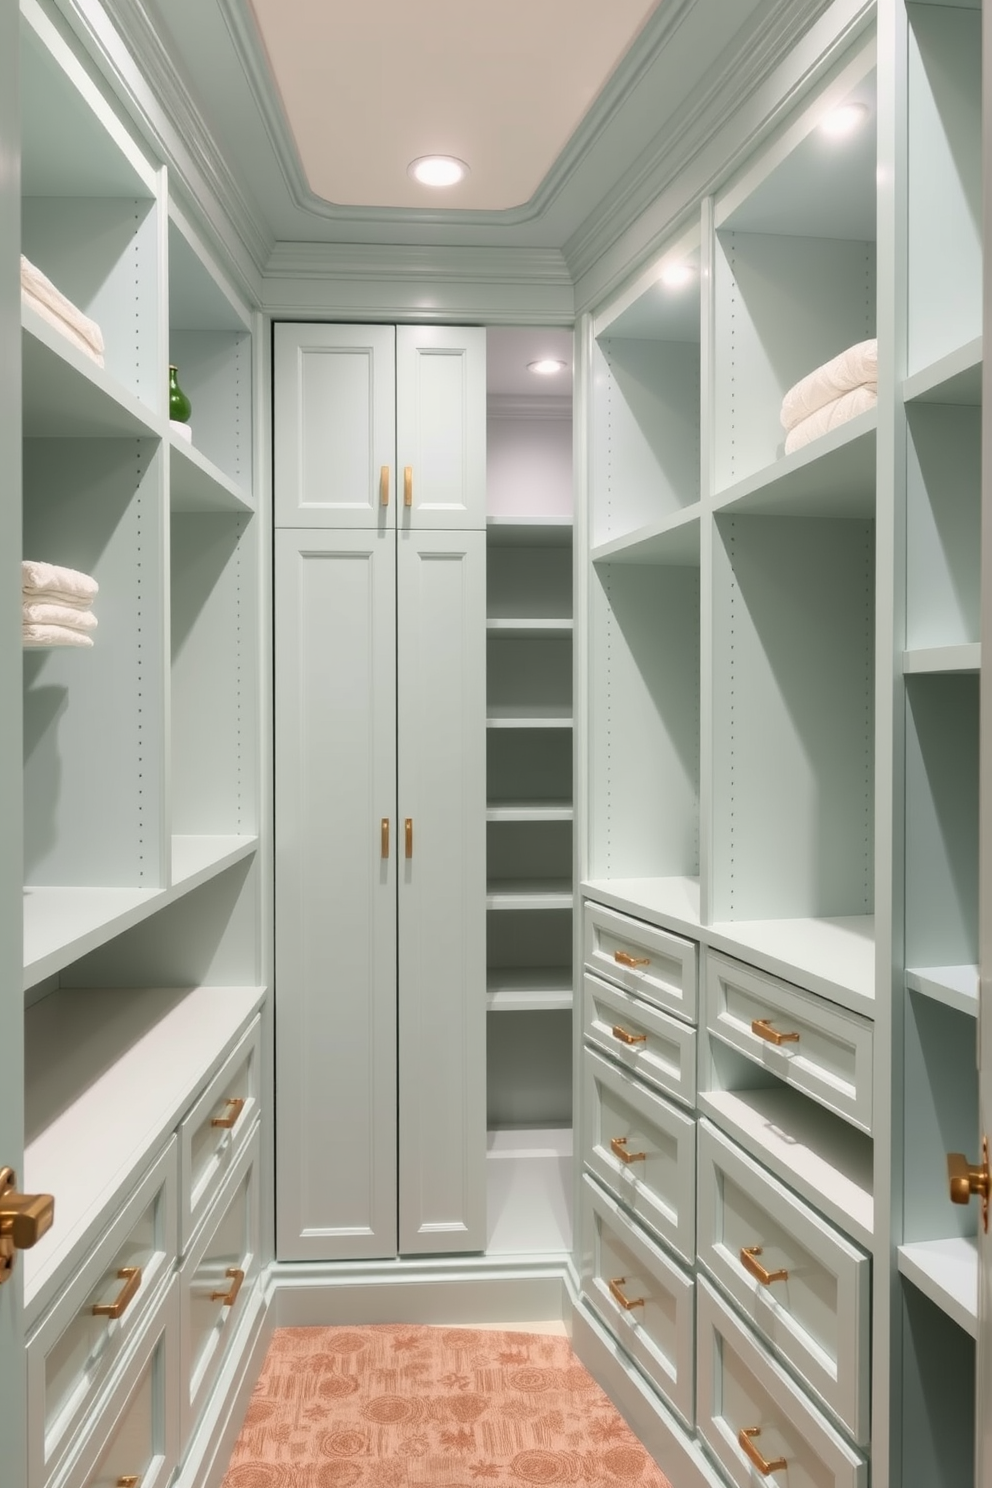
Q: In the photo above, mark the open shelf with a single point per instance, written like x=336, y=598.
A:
x=943, y=659
x=530, y=629
x=834, y=958
x=529, y=894
x=514, y=716
x=955, y=377
x=954, y=986
x=530, y=811
x=528, y=532
x=672, y=903
x=108, y=1073
x=517, y=989
x=834, y=476
x=67, y=395
x=195, y=859
x=197, y=485
x=946, y=1271
x=672, y=540
x=943, y=534
x=529, y=1191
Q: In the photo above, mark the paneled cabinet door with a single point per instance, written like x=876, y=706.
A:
x=441, y=807
x=441, y=427
x=335, y=704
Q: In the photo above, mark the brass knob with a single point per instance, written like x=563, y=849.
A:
x=24, y=1218
x=965, y=1180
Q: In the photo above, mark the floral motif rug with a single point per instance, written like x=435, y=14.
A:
x=395, y=1406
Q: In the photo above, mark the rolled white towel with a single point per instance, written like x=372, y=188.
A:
x=40, y=612
x=58, y=585
x=830, y=416
x=60, y=312
x=853, y=368
x=34, y=637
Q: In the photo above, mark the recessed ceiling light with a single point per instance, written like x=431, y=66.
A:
x=437, y=170
x=844, y=120
x=546, y=367
x=677, y=275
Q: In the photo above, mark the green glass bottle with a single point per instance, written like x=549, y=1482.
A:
x=180, y=407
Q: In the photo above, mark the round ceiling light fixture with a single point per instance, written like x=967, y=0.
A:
x=677, y=275
x=841, y=122
x=437, y=170
x=546, y=366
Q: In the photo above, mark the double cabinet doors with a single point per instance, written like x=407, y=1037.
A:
x=380, y=886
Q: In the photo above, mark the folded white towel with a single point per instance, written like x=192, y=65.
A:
x=36, y=636
x=60, y=312
x=40, y=612
x=59, y=585
x=855, y=367
x=830, y=416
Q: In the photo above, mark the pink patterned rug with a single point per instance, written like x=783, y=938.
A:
x=394, y=1406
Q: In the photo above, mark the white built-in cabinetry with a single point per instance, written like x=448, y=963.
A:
x=380, y=790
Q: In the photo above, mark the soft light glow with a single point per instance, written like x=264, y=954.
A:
x=437, y=170
x=546, y=367
x=677, y=275
x=843, y=121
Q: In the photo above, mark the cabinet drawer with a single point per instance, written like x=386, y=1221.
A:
x=135, y=1435
x=818, y=1315
x=644, y=1296
x=212, y=1133
x=827, y=1052
x=643, y=1149
x=650, y=1044
x=742, y=1394
x=649, y=962
x=73, y=1352
x=217, y=1280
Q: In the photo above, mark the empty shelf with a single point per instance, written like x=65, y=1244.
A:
x=946, y=1271
x=954, y=986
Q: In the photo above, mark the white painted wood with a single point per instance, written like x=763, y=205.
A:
x=659, y=1187
x=818, y=1317
x=520, y=988
x=670, y=902
x=441, y=427
x=196, y=859
x=334, y=426
x=943, y=525
x=197, y=484
x=530, y=894
x=954, y=378
x=946, y=1271
x=966, y=658
x=674, y=540
x=666, y=1057
x=441, y=890
x=833, y=476
x=335, y=702
x=72, y=1354
x=740, y=1387
x=206, y=1151
x=834, y=957
x=658, y=1330
x=956, y=986
x=67, y=395
x=666, y=974
x=529, y=1191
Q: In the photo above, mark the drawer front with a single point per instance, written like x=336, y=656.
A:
x=136, y=1434
x=817, y=1315
x=651, y=963
x=643, y=1149
x=645, y=1297
x=744, y=1396
x=649, y=1044
x=212, y=1134
x=825, y=1052
x=216, y=1281
x=73, y=1352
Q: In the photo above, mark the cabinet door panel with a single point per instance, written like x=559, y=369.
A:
x=442, y=996
x=335, y=894
x=441, y=426
x=335, y=425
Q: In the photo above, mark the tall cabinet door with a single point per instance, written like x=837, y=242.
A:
x=442, y=891
x=335, y=426
x=441, y=427
x=335, y=789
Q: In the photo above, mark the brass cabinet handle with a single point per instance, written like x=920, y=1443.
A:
x=408, y=485
x=626, y=959
x=750, y=1263
x=625, y=1302
x=763, y=1029
x=965, y=1179
x=628, y=1038
x=24, y=1218
x=129, y=1480
x=619, y=1146
x=408, y=836
x=778, y=1464
x=229, y=1298
x=384, y=837
x=131, y=1277
x=235, y=1104
x=384, y=486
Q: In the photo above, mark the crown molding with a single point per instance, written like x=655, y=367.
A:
x=386, y=261
x=640, y=58
x=535, y=408
x=122, y=40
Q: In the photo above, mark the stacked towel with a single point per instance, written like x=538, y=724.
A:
x=830, y=395
x=59, y=312
x=56, y=606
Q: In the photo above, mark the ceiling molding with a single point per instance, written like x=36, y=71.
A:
x=509, y=406
x=389, y=261
x=637, y=62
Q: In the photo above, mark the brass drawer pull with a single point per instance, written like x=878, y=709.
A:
x=628, y=1038
x=762, y=1027
x=129, y=1481
x=778, y=1464
x=229, y=1298
x=408, y=485
x=625, y=1302
x=384, y=485
x=384, y=837
x=235, y=1105
x=750, y=1263
x=619, y=1145
x=626, y=959
x=408, y=836
x=131, y=1277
